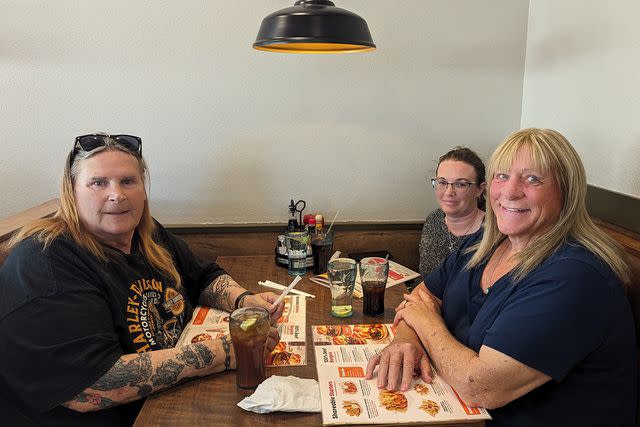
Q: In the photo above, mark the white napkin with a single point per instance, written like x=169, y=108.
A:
x=287, y=394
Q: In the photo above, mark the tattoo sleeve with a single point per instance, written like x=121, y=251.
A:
x=135, y=376
x=219, y=293
x=94, y=399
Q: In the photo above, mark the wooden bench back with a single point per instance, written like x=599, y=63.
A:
x=631, y=243
x=13, y=223
x=402, y=243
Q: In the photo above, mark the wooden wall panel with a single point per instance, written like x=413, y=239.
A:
x=402, y=244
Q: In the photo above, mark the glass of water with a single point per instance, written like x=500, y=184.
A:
x=297, y=242
x=342, y=277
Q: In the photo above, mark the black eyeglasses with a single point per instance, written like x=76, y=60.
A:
x=93, y=141
x=442, y=184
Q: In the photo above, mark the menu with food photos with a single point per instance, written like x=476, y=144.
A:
x=209, y=323
x=342, y=353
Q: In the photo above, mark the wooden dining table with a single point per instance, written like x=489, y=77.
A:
x=212, y=400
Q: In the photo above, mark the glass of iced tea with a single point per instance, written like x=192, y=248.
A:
x=249, y=328
x=373, y=276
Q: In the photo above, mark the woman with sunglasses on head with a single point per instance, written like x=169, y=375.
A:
x=529, y=318
x=94, y=299
x=459, y=187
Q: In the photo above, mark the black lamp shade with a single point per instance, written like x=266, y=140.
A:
x=314, y=26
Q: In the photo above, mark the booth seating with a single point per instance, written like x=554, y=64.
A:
x=631, y=242
x=402, y=241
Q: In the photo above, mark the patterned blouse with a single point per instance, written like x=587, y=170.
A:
x=437, y=242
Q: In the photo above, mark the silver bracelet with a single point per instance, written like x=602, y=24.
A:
x=241, y=298
x=227, y=352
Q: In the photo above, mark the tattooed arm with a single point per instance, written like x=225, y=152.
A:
x=221, y=293
x=135, y=376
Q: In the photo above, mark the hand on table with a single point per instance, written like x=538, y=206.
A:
x=405, y=356
x=397, y=363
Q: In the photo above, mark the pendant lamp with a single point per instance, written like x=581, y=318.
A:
x=314, y=26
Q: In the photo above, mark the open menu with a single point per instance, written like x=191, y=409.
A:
x=342, y=352
x=210, y=323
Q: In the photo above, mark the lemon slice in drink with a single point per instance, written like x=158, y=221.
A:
x=247, y=323
x=342, y=310
x=303, y=240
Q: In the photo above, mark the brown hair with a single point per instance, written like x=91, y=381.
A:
x=466, y=155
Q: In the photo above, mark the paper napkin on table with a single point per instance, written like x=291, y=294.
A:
x=287, y=394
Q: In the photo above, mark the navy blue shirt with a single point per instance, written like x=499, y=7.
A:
x=569, y=319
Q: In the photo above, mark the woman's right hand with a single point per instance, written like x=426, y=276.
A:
x=265, y=300
x=398, y=362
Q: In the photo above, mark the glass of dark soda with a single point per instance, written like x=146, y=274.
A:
x=373, y=277
x=321, y=249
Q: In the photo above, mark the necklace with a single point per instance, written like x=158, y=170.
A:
x=452, y=244
x=493, y=270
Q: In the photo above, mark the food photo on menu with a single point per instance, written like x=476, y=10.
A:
x=342, y=352
x=352, y=334
x=285, y=354
x=209, y=323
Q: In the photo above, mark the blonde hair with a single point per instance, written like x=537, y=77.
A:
x=551, y=153
x=66, y=222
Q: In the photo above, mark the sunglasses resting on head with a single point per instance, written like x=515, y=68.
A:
x=92, y=141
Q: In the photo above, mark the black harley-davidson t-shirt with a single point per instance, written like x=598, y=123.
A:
x=67, y=317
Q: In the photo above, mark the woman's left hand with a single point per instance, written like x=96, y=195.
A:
x=265, y=300
x=420, y=308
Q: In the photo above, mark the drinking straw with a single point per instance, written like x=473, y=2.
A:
x=332, y=221
x=274, y=285
x=286, y=291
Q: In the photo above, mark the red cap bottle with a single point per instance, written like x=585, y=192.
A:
x=307, y=217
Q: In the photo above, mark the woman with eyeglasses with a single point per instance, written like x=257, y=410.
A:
x=94, y=299
x=459, y=186
x=529, y=318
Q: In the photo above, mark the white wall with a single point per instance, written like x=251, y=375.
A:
x=231, y=133
x=582, y=78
